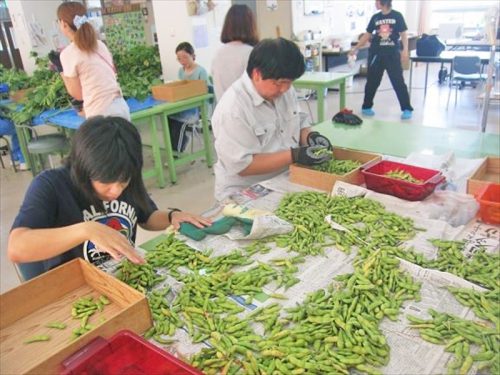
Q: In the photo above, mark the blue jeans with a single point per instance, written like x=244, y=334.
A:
x=7, y=128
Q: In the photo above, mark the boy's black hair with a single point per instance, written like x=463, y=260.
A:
x=275, y=59
x=386, y=3
x=107, y=149
x=186, y=47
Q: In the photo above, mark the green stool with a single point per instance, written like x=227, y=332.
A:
x=41, y=147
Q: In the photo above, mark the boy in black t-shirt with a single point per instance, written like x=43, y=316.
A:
x=385, y=28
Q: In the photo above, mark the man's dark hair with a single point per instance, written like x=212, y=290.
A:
x=107, y=149
x=275, y=59
x=386, y=3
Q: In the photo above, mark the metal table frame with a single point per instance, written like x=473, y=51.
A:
x=444, y=57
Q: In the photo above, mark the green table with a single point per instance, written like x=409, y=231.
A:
x=401, y=139
x=164, y=110
x=150, y=115
x=320, y=81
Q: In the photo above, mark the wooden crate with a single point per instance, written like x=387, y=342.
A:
x=25, y=310
x=178, y=90
x=325, y=181
x=20, y=96
x=487, y=173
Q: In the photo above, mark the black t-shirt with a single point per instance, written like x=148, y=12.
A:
x=53, y=201
x=385, y=29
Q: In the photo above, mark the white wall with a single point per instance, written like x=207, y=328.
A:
x=173, y=25
x=35, y=28
x=269, y=20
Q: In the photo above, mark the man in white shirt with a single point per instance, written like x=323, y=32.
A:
x=258, y=127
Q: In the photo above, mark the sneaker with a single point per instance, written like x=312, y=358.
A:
x=368, y=112
x=406, y=115
x=22, y=167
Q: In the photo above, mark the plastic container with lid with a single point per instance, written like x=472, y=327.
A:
x=489, y=204
x=124, y=354
x=377, y=180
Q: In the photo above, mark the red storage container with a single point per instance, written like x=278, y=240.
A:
x=489, y=204
x=124, y=354
x=376, y=180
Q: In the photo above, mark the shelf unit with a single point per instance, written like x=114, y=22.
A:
x=313, y=55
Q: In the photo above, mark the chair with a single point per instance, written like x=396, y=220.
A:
x=465, y=69
x=43, y=145
x=8, y=149
x=191, y=124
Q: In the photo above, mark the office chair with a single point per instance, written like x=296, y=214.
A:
x=41, y=146
x=465, y=69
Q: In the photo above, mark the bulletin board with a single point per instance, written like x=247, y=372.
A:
x=124, y=30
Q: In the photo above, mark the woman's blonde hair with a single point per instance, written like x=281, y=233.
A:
x=85, y=35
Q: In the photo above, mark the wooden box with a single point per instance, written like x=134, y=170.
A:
x=25, y=310
x=178, y=90
x=325, y=181
x=487, y=173
x=20, y=96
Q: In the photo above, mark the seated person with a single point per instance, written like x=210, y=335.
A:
x=90, y=207
x=189, y=70
x=258, y=126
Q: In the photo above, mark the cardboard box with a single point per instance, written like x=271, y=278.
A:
x=487, y=173
x=178, y=90
x=325, y=181
x=25, y=310
x=20, y=96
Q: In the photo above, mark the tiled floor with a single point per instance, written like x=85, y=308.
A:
x=194, y=189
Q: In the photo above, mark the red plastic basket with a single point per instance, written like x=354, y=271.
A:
x=124, y=354
x=489, y=204
x=376, y=180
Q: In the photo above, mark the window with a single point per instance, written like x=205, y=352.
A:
x=471, y=14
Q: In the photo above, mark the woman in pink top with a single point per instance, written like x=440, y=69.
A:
x=86, y=65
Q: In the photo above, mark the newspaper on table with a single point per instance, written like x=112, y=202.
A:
x=318, y=272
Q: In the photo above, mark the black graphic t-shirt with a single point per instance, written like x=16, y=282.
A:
x=385, y=29
x=52, y=201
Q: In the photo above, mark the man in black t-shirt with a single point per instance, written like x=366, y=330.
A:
x=385, y=28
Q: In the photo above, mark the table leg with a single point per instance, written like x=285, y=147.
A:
x=320, y=92
x=23, y=136
x=206, y=134
x=342, y=94
x=426, y=75
x=168, y=148
x=155, y=145
x=411, y=76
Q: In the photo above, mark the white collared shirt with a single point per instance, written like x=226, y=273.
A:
x=245, y=124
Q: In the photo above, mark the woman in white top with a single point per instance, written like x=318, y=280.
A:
x=86, y=65
x=239, y=35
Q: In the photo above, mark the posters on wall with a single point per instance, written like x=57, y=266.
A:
x=124, y=30
x=123, y=23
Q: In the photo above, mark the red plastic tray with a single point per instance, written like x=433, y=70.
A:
x=124, y=354
x=489, y=204
x=376, y=180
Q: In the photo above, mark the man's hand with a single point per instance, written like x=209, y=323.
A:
x=311, y=155
x=316, y=139
x=405, y=58
x=55, y=59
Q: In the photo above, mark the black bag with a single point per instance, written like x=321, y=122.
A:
x=429, y=45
